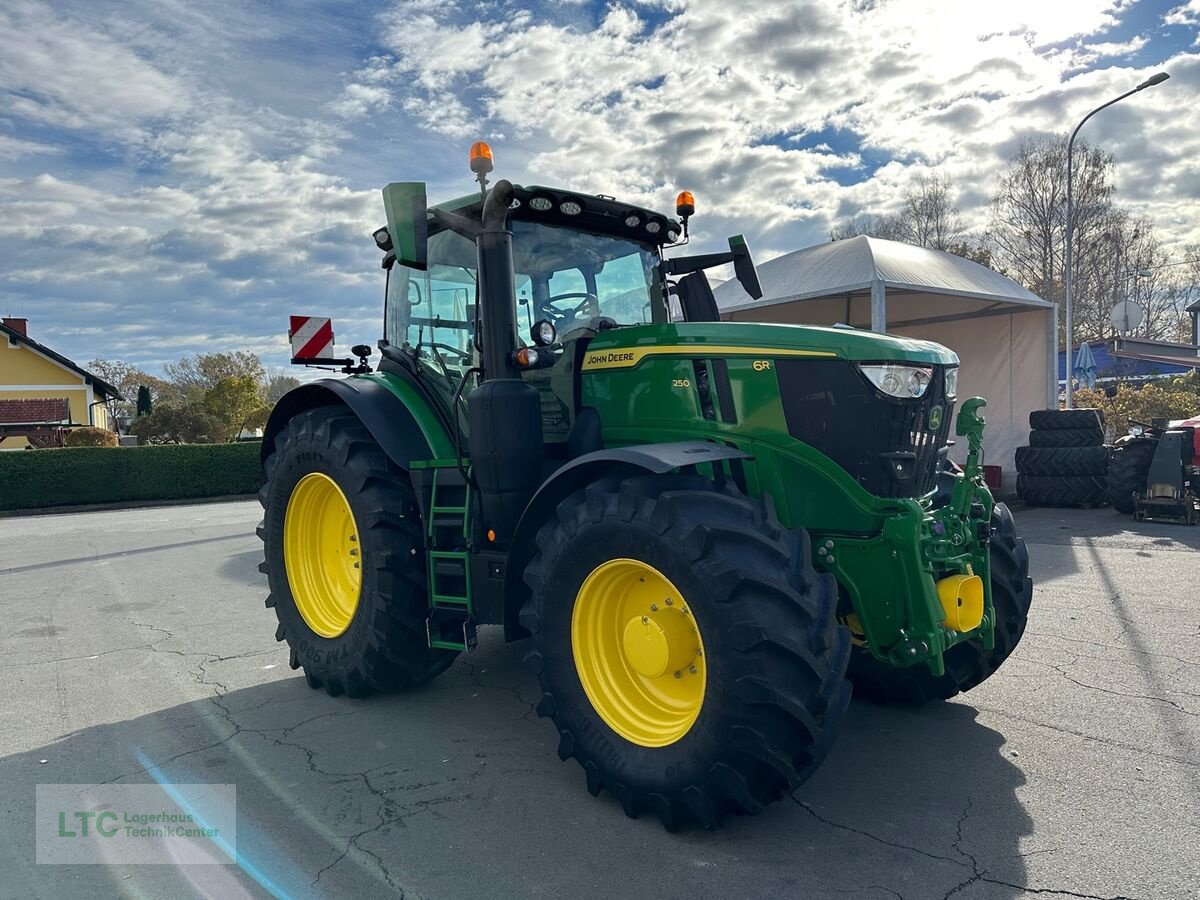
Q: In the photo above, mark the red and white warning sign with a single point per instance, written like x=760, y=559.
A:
x=311, y=337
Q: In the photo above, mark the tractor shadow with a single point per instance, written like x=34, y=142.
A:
x=455, y=790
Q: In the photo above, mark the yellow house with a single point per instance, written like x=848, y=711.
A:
x=43, y=394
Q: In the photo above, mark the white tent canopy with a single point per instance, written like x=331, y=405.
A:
x=1004, y=335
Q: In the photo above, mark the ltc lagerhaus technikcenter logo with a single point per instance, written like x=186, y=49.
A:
x=149, y=824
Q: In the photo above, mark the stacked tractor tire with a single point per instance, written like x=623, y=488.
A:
x=1066, y=462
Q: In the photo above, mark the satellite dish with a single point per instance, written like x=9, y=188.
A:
x=1126, y=316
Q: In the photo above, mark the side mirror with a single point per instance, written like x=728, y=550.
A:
x=744, y=268
x=407, y=223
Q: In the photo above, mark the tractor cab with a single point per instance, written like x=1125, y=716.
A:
x=581, y=265
x=569, y=285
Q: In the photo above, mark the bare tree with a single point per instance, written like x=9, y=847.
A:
x=278, y=383
x=927, y=218
x=194, y=375
x=888, y=227
x=1029, y=215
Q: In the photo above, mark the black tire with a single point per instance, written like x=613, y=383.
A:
x=1061, y=419
x=1062, y=460
x=385, y=647
x=1063, y=490
x=1128, y=470
x=1067, y=437
x=776, y=690
x=968, y=664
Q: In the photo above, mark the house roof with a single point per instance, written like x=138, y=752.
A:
x=1195, y=307
x=1110, y=366
x=50, y=411
x=99, y=384
x=854, y=264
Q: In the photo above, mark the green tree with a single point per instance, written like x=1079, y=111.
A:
x=90, y=436
x=187, y=423
x=194, y=376
x=144, y=404
x=234, y=403
x=129, y=379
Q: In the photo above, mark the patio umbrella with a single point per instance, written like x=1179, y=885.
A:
x=1085, y=366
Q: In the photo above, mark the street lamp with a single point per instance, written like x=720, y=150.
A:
x=1149, y=82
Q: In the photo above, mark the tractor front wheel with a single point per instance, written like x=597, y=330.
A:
x=687, y=650
x=967, y=664
x=345, y=558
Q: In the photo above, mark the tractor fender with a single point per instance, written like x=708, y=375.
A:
x=385, y=415
x=575, y=475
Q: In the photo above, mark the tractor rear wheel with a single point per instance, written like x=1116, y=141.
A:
x=967, y=664
x=1128, y=471
x=345, y=558
x=688, y=652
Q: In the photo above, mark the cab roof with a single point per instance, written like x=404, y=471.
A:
x=596, y=213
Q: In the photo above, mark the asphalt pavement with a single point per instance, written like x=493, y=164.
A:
x=134, y=647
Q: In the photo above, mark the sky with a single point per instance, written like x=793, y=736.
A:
x=180, y=177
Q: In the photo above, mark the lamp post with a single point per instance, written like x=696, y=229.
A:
x=1149, y=82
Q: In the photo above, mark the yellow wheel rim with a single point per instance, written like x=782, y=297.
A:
x=638, y=652
x=321, y=554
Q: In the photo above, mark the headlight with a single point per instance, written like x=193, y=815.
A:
x=543, y=333
x=570, y=208
x=541, y=204
x=653, y=227
x=633, y=221
x=900, y=381
x=951, y=383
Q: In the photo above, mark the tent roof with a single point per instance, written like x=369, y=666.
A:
x=854, y=264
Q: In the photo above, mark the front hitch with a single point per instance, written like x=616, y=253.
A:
x=970, y=425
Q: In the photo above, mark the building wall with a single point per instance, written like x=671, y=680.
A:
x=27, y=375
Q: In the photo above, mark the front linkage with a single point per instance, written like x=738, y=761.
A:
x=923, y=584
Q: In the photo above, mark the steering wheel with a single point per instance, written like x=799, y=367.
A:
x=559, y=314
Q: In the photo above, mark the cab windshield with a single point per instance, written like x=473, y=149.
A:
x=572, y=278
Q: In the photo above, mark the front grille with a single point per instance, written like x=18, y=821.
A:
x=831, y=406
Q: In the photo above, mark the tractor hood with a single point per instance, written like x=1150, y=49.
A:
x=623, y=347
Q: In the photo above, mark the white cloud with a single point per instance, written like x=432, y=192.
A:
x=240, y=165
x=15, y=148
x=1187, y=14
x=715, y=98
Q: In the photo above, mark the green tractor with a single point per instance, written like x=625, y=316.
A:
x=708, y=531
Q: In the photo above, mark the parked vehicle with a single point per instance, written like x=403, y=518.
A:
x=1154, y=472
x=706, y=529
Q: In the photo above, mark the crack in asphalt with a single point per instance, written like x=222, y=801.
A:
x=1061, y=669
x=58, y=659
x=874, y=837
x=1006, y=714
x=1123, y=648
x=474, y=675
x=220, y=689
x=977, y=874
x=956, y=844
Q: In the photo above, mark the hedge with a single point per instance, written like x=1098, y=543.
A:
x=79, y=475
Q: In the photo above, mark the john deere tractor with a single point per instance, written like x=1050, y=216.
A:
x=707, y=531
